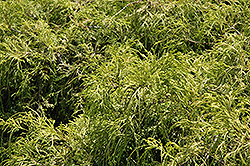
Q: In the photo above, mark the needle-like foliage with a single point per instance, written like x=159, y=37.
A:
x=147, y=82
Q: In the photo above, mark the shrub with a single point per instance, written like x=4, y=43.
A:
x=124, y=82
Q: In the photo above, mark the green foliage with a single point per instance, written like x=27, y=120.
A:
x=124, y=82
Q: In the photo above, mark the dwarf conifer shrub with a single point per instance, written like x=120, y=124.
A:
x=147, y=82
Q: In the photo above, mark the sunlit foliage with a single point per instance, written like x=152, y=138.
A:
x=147, y=82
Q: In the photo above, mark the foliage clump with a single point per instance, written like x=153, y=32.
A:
x=147, y=82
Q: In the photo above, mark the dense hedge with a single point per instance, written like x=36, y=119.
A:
x=147, y=82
